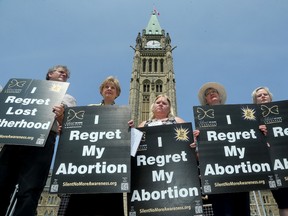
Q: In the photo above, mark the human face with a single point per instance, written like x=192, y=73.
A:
x=109, y=91
x=262, y=96
x=59, y=75
x=212, y=96
x=161, y=108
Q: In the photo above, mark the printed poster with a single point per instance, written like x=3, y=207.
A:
x=165, y=179
x=275, y=116
x=93, y=154
x=233, y=153
x=26, y=114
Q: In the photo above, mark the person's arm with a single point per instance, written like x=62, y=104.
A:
x=131, y=123
x=68, y=101
x=263, y=129
x=195, y=135
x=179, y=120
x=142, y=124
x=59, y=113
x=194, y=144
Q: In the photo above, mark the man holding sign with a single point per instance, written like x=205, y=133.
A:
x=28, y=166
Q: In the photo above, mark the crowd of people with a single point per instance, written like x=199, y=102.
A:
x=28, y=166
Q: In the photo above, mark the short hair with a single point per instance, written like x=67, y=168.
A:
x=115, y=81
x=171, y=112
x=254, y=96
x=54, y=68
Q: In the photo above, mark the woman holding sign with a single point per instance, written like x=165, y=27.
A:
x=263, y=95
x=96, y=204
x=228, y=204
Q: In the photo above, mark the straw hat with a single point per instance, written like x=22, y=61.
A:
x=220, y=88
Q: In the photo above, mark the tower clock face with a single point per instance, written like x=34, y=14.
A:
x=153, y=44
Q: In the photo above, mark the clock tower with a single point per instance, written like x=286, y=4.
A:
x=152, y=70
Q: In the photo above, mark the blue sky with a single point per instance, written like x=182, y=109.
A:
x=242, y=44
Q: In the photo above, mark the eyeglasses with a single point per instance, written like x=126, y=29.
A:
x=262, y=94
x=212, y=91
x=61, y=72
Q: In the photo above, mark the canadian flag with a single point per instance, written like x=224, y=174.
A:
x=156, y=11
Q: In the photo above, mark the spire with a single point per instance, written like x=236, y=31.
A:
x=153, y=26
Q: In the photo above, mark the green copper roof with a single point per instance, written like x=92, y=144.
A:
x=153, y=26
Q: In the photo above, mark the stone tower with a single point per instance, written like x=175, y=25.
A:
x=152, y=70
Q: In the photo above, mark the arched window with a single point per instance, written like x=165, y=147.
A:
x=159, y=86
x=161, y=65
x=146, y=86
x=155, y=65
x=150, y=66
x=265, y=199
x=144, y=65
x=145, y=108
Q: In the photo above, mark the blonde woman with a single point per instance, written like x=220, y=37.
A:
x=259, y=96
x=161, y=113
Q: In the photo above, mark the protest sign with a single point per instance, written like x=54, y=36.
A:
x=26, y=114
x=233, y=153
x=275, y=116
x=93, y=154
x=165, y=178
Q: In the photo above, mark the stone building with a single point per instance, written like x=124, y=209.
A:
x=48, y=203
